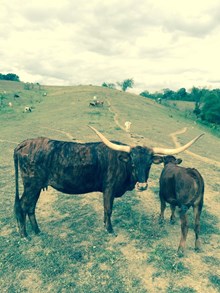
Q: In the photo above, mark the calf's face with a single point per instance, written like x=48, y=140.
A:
x=171, y=159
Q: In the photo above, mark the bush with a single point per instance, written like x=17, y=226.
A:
x=211, y=109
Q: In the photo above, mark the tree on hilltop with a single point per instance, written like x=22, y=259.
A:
x=127, y=83
x=9, y=76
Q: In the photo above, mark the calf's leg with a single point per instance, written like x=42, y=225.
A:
x=172, y=217
x=197, y=212
x=184, y=231
x=162, y=209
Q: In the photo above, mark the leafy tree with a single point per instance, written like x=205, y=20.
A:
x=211, y=109
x=168, y=94
x=146, y=94
x=181, y=94
x=196, y=95
x=9, y=76
x=127, y=83
x=109, y=85
x=207, y=102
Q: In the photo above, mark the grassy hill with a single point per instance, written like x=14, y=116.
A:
x=74, y=253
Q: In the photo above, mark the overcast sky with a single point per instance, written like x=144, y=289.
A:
x=159, y=43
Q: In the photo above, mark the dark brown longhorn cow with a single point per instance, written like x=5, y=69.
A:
x=78, y=168
x=182, y=187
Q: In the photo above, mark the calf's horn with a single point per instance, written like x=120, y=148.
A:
x=162, y=151
x=111, y=145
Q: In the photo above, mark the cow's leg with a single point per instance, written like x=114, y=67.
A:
x=108, y=204
x=172, y=217
x=28, y=203
x=162, y=209
x=197, y=212
x=31, y=213
x=184, y=231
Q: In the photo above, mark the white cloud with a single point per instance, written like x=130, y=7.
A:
x=157, y=43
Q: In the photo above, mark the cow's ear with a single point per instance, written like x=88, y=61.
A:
x=124, y=157
x=179, y=161
x=157, y=159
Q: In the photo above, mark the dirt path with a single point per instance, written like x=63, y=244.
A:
x=69, y=135
x=177, y=144
x=172, y=135
x=116, y=116
x=9, y=141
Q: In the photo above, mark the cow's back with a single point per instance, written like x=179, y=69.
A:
x=72, y=168
x=34, y=158
x=179, y=185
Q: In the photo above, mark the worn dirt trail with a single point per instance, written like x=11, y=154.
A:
x=173, y=135
x=201, y=158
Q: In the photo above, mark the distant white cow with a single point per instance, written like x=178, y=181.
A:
x=44, y=94
x=27, y=109
x=10, y=104
x=94, y=98
x=159, y=100
x=127, y=126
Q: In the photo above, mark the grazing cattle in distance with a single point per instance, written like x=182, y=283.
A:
x=16, y=96
x=78, y=168
x=99, y=103
x=127, y=126
x=44, y=94
x=96, y=103
x=27, y=109
x=10, y=104
x=182, y=187
x=159, y=100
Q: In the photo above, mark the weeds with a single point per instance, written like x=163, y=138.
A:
x=165, y=260
x=181, y=290
x=215, y=281
x=74, y=253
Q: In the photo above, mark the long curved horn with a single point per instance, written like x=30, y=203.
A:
x=161, y=151
x=113, y=146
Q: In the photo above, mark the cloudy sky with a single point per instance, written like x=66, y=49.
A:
x=159, y=43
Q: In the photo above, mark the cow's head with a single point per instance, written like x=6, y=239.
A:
x=172, y=160
x=141, y=158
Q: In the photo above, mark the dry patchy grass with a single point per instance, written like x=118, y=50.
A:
x=74, y=253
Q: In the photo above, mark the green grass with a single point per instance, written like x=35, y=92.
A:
x=165, y=260
x=215, y=281
x=74, y=253
x=181, y=290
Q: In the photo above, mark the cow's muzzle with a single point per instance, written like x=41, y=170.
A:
x=141, y=186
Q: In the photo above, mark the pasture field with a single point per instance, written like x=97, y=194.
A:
x=74, y=253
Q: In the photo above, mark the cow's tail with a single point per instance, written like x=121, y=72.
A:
x=17, y=204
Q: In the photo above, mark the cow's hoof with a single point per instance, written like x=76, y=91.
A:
x=112, y=232
x=198, y=249
x=25, y=239
x=37, y=232
x=180, y=252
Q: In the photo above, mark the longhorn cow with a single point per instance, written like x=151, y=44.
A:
x=77, y=168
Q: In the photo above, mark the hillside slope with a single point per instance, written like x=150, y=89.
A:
x=74, y=253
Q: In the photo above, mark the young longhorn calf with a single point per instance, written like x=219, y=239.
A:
x=182, y=187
